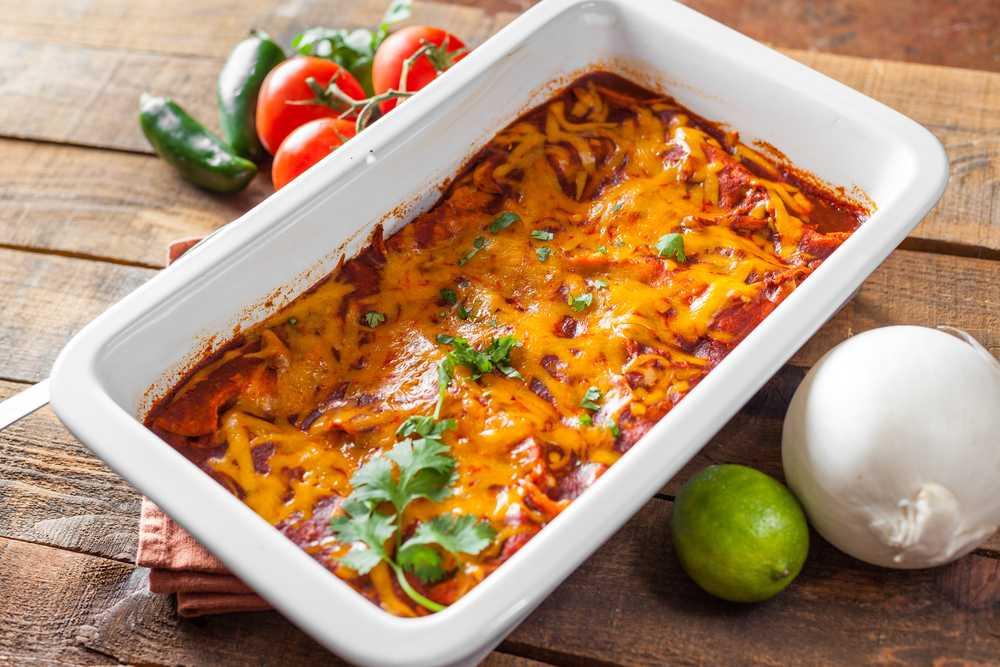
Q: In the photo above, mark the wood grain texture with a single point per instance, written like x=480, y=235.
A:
x=208, y=28
x=958, y=33
x=53, y=491
x=641, y=609
x=69, y=199
x=46, y=299
x=104, y=204
x=83, y=86
x=639, y=606
x=67, y=608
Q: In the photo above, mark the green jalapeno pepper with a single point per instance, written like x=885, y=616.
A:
x=237, y=90
x=200, y=156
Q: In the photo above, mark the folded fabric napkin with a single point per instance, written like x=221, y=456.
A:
x=178, y=564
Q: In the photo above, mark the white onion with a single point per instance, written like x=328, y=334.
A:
x=892, y=444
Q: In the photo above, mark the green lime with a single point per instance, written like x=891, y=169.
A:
x=740, y=534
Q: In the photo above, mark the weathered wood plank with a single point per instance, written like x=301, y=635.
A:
x=46, y=299
x=104, y=204
x=206, y=29
x=87, y=92
x=919, y=288
x=632, y=604
x=96, y=106
x=639, y=606
x=962, y=108
x=69, y=608
x=55, y=492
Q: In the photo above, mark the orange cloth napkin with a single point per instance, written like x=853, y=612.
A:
x=178, y=564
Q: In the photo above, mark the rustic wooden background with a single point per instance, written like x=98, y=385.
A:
x=85, y=214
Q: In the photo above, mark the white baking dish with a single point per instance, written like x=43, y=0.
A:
x=100, y=380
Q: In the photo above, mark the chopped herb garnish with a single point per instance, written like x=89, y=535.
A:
x=617, y=206
x=615, y=431
x=424, y=468
x=590, y=398
x=543, y=253
x=373, y=318
x=580, y=302
x=448, y=296
x=672, y=245
x=542, y=235
x=478, y=244
x=603, y=249
x=585, y=420
x=445, y=339
x=503, y=221
x=463, y=312
x=600, y=284
x=496, y=357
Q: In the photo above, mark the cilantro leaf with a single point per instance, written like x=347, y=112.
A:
x=603, y=249
x=463, y=312
x=503, y=221
x=423, y=561
x=580, y=302
x=672, y=245
x=585, y=420
x=445, y=339
x=427, y=427
x=590, y=398
x=462, y=533
x=477, y=244
x=367, y=533
x=542, y=235
x=615, y=430
x=354, y=50
x=373, y=482
x=496, y=356
x=426, y=470
x=373, y=318
x=600, y=284
x=543, y=253
x=448, y=296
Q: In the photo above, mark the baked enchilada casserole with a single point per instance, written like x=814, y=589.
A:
x=414, y=419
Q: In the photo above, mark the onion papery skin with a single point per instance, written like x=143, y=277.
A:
x=892, y=444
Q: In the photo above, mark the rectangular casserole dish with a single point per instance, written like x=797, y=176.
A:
x=101, y=380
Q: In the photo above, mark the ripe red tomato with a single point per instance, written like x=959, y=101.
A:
x=445, y=50
x=286, y=83
x=307, y=145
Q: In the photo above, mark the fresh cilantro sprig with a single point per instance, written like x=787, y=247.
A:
x=353, y=50
x=494, y=357
x=418, y=466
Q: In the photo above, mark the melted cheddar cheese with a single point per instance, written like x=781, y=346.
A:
x=600, y=174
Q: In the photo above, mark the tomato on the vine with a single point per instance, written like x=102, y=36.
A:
x=307, y=145
x=439, y=50
x=284, y=101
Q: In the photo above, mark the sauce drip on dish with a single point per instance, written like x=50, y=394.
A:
x=625, y=243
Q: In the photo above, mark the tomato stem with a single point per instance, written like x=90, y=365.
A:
x=334, y=97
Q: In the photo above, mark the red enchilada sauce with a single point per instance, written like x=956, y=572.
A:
x=608, y=249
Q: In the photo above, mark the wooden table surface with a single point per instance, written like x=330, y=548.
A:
x=85, y=214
